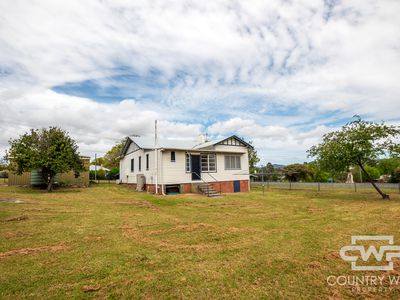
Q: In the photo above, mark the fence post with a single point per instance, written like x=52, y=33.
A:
x=290, y=185
x=319, y=187
x=263, y=188
x=399, y=187
x=355, y=186
x=268, y=185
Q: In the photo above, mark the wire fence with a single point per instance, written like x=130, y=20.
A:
x=319, y=186
x=3, y=180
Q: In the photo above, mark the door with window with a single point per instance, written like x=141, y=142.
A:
x=195, y=166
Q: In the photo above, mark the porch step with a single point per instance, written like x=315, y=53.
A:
x=208, y=190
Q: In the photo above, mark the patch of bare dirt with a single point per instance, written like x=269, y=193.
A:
x=314, y=265
x=193, y=226
x=140, y=204
x=314, y=210
x=15, y=234
x=91, y=288
x=153, y=238
x=29, y=251
x=92, y=238
x=19, y=218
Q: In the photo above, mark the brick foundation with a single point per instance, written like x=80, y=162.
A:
x=227, y=186
x=186, y=188
x=220, y=186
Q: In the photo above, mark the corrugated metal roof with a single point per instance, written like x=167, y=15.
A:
x=148, y=143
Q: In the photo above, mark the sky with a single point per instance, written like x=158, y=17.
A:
x=278, y=73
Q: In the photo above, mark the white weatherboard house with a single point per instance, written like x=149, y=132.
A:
x=209, y=167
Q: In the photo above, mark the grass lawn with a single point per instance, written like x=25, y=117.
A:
x=110, y=242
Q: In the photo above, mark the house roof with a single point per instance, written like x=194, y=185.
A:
x=93, y=168
x=146, y=142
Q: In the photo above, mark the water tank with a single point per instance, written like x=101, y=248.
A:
x=141, y=181
x=36, y=178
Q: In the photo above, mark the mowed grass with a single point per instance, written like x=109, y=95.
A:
x=111, y=242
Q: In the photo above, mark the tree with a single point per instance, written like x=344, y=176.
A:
x=270, y=170
x=253, y=159
x=99, y=161
x=318, y=175
x=357, y=143
x=373, y=172
x=50, y=151
x=387, y=165
x=111, y=158
x=395, y=175
x=297, y=172
x=101, y=174
x=113, y=173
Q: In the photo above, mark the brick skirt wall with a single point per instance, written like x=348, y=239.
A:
x=220, y=186
x=227, y=186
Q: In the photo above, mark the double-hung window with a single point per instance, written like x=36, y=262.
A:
x=208, y=162
x=140, y=164
x=132, y=165
x=147, y=162
x=232, y=162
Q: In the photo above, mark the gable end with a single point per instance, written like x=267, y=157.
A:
x=234, y=141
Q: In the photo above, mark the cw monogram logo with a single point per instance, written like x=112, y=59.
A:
x=391, y=251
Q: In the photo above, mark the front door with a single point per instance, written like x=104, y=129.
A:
x=195, y=166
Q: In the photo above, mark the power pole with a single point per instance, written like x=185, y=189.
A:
x=95, y=166
x=156, y=153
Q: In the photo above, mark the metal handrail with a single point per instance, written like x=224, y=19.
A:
x=206, y=181
x=220, y=189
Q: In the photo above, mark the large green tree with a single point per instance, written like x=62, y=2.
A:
x=357, y=143
x=297, y=172
x=387, y=165
x=50, y=151
x=111, y=158
x=253, y=159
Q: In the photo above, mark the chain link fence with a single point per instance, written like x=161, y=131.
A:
x=320, y=186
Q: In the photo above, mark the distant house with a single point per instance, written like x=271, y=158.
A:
x=210, y=167
x=98, y=168
x=34, y=178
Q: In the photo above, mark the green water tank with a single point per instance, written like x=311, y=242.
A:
x=36, y=178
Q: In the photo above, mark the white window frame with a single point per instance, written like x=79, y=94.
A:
x=187, y=162
x=233, y=162
x=206, y=163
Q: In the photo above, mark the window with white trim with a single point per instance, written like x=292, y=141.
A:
x=232, y=162
x=187, y=162
x=132, y=165
x=173, y=159
x=208, y=162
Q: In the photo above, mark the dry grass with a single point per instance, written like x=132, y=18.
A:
x=110, y=242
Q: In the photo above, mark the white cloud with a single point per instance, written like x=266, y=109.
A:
x=96, y=126
x=242, y=62
x=248, y=128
